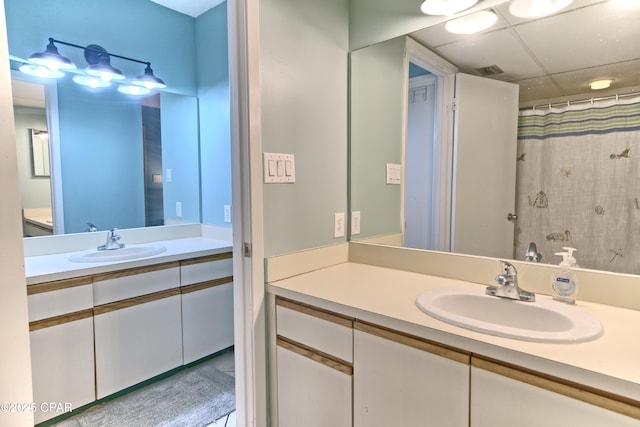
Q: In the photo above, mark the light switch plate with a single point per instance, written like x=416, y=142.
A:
x=355, y=223
x=227, y=213
x=279, y=168
x=394, y=173
x=178, y=209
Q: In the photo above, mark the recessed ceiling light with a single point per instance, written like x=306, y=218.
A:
x=600, y=84
x=536, y=8
x=445, y=7
x=472, y=23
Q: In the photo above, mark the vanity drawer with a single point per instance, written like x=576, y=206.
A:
x=203, y=269
x=52, y=299
x=317, y=329
x=120, y=285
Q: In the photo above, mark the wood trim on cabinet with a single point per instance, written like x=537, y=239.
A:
x=315, y=355
x=57, y=285
x=61, y=319
x=603, y=399
x=205, y=285
x=207, y=258
x=136, y=270
x=130, y=302
x=315, y=312
x=432, y=347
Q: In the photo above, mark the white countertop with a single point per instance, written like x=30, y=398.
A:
x=387, y=297
x=45, y=268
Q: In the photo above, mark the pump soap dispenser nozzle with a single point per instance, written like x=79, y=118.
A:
x=572, y=261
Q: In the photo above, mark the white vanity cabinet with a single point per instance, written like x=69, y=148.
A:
x=138, y=325
x=207, y=305
x=61, y=335
x=402, y=380
x=314, y=352
x=503, y=395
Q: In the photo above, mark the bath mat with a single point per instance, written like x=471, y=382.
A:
x=195, y=397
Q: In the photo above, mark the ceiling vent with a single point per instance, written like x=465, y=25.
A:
x=491, y=70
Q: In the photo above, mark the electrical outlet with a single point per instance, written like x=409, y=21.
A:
x=338, y=225
x=167, y=175
x=227, y=213
x=355, y=223
x=178, y=209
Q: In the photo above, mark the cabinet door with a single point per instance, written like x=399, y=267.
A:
x=207, y=321
x=310, y=392
x=137, y=342
x=397, y=384
x=314, y=354
x=62, y=367
x=500, y=401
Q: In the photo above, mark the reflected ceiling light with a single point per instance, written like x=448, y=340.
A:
x=536, y=8
x=600, y=84
x=133, y=90
x=99, y=72
x=445, y=7
x=40, y=71
x=472, y=23
x=91, y=81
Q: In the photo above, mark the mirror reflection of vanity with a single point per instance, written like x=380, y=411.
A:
x=119, y=160
x=535, y=67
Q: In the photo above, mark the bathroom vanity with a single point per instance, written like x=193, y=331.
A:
x=351, y=347
x=99, y=328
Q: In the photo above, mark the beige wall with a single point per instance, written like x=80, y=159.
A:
x=15, y=359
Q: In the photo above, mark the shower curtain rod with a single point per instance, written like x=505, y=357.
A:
x=581, y=101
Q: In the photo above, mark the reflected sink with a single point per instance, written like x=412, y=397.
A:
x=542, y=321
x=122, y=254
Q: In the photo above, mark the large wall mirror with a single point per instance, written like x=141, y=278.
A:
x=119, y=160
x=572, y=175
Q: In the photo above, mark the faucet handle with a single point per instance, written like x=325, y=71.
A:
x=508, y=269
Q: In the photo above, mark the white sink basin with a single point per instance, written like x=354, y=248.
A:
x=122, y=254
x=542, y=321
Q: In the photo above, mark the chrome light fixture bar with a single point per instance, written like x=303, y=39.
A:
x=99, y=72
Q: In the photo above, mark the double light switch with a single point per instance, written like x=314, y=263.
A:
x=279, y=168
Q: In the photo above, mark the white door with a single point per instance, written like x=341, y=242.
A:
x=484, y=170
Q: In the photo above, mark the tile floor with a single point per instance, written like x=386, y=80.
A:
x=225, y=363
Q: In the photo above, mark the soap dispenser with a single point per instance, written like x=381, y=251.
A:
x=564, y=284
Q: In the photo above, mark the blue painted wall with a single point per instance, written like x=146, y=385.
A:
x=213, y=94
x=189, y=54
x=101, y=156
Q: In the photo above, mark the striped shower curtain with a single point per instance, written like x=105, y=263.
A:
x=578, y=183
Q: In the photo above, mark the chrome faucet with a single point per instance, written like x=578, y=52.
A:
x=532, y=253
x=112, y=241
x=508, y=285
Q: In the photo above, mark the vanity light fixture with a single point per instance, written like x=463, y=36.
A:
x=99, y=72
x=536, y=8
x=600, y=84
x=472, y=23
x=445, y=7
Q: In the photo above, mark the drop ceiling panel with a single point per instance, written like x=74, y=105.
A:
x=584, y=38
x=537, y=88
x=499, y=48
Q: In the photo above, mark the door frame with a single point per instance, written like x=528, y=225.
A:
x=445, y=73
x=248, y=236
